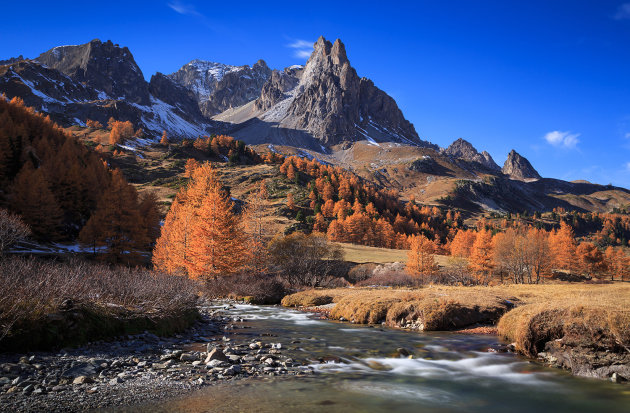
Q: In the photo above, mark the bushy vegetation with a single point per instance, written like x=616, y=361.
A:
x=33, y=289
x=254, y=289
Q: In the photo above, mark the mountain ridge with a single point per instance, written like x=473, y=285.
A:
x=323, y=110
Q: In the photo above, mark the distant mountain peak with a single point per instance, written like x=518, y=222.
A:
x=103, y=66
x=518, y=167
x=218, y=86
x=462, y=149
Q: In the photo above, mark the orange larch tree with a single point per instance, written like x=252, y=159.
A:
x=164, y=139
x=257, y=230
x=290, y=201
x=590, y=259
x=218, y=243
x=171, y=248
x=563, y=248
x=420, y=259
x=118, y=223
x=32, y=198
x=462, y=243
x=481, y=257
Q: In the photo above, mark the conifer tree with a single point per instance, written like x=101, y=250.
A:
x=118, y=223
x=164, y=139
x=290, y=201
x=150, y=213
x=257, y=230
x=420, y=260
x=563, y=248
x=32, y=198
x=481, y=257
x=171, y=248
x=218, y=242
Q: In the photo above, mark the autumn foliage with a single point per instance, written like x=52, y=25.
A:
x=57, y=185
x=420, y=260
x=526, y=254
x=202, y=236
x=349, y=209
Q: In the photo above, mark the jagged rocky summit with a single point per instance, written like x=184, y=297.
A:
x=462, y=149
x=517, y=167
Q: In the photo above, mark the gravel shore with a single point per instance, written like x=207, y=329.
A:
x=138, y=368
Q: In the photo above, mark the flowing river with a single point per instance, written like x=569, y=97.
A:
x=448, y=372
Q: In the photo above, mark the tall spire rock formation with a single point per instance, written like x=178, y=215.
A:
x=517, y=167
x=325, y=103
x=334, y=104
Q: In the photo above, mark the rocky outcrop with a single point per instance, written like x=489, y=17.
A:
x=164, y=89
x=276, y=88
x=40, y=86
x=201, y=77
x=462, y=149
x=517, y=167
x=103, y=67
x=12, y=60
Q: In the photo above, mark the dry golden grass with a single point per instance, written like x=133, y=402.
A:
x=362, y=254
x=542, y=311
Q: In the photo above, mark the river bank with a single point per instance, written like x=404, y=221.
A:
x=581, y=328
x=140, y=367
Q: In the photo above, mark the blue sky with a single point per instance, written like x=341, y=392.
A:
x=550, y=79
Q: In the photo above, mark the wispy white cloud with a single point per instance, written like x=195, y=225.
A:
x=623, y=12
x=627, y=135
x=562, y=139
x=302, y=48
x=301, y=44
x=304, y=54
x=628, y=166
x=184, y=8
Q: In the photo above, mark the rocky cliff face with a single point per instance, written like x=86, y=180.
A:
x=276, y=88
x=462, y=149
x=219, y=87
x=517, y=167
x=164, y=89
x=103, y=67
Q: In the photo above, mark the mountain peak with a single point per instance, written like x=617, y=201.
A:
x=103, y=66
x=462, y=149
x=334, y=104
x=338, y=53
x=518, y=167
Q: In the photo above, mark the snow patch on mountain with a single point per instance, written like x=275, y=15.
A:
x=209, y=74
x=161, y=116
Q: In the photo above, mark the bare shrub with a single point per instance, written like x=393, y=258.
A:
x=456, y=273
x=257, y=289
x=304, y=260
x=391, y=279
x=33, y=288
x=12, y=230
x=361, y=272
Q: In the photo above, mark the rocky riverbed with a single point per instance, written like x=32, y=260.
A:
x=142, y=367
